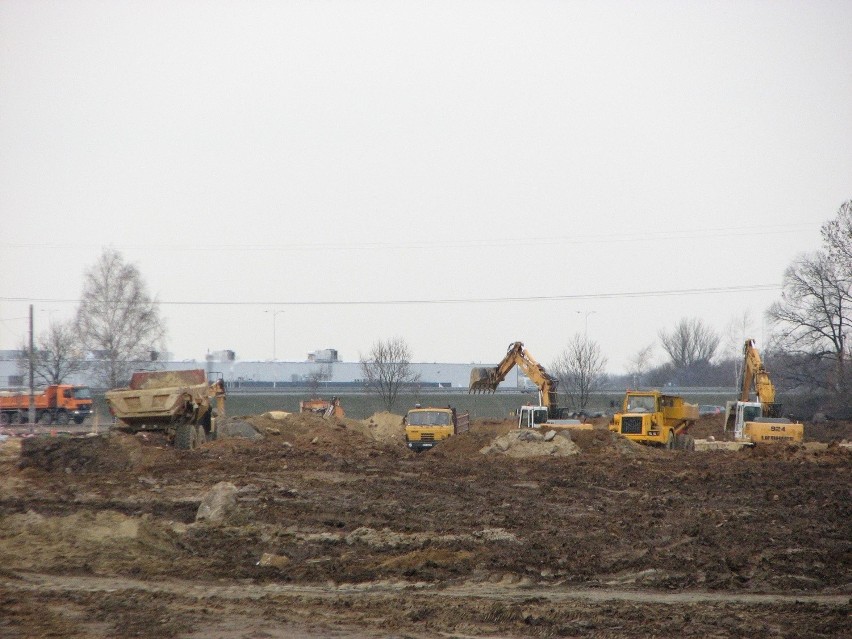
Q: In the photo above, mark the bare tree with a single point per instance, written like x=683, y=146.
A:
x=690, y=342
x=737, y=331
x=580, y=370
x=317, y=376
x=837, y=236
x=387, y=368
x=57, y=354
x=814, y=315
x=118, y=321
x=639, y=363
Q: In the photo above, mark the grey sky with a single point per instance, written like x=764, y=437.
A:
x=251, y=157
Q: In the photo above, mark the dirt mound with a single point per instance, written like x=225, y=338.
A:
x=105, y=541
x=605, y=442
x=468, y=445
x=303, y=429
x=386, y=427
x=108, y=453
x=530, y=443
x=235, y=427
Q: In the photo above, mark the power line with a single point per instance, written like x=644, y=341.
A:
x=465, y=300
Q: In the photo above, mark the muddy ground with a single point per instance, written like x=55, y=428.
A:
x=334, y=529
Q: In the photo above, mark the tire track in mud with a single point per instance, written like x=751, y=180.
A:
x=492, y=592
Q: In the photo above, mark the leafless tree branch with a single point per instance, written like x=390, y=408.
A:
x=387, y=368
x=117, y=320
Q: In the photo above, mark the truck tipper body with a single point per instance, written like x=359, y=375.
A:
x=650, y=417
x=182, y=404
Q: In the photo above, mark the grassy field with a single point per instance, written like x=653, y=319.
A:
x=360, y=406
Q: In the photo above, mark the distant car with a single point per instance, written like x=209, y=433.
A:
x=708, y=409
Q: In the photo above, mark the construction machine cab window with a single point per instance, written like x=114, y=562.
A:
x=641, y=404
x=752, y=413
x=540, y=416
x=429, y=418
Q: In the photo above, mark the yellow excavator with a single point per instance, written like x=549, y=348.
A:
x=759, y=422
x=486, y=380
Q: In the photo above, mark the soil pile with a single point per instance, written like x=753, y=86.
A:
x=530, y=443
x=236, y=427
x=605, y=442
x=386, y=427
x=104, y=541
x=467, y=445
x=82, y=455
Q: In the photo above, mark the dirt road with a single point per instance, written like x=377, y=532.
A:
x=335, y=529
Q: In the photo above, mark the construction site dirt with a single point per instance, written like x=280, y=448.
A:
x=333, y=528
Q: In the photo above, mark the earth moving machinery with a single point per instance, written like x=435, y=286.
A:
x=547, y=414
x=486, y=380
x=55, y=404
x=181, y=404
x=650, y=417
x=759, y=422
x=538, y=417
x=425, y=427
x=322, y=407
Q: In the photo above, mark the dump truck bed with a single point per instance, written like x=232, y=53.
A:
x=161, y=397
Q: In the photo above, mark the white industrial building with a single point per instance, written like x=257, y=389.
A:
x=323, y=365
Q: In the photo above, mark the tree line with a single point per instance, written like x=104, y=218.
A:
x=119, y=323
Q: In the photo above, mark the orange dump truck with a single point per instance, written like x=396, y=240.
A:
x=56, y=404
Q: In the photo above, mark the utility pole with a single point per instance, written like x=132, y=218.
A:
x=31, y=418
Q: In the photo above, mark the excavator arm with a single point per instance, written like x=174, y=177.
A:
x=755, y=374
x=486, y=380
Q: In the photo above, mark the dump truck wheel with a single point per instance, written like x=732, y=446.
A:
x=5, y=420
x=44, y=417
x=684, y=442
x=62, y=418
x=17, y=417
x=185, y=437
x=79, y=419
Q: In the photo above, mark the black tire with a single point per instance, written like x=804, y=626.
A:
x=79, y=419
x=17, y=417
x=185, y=437
x=684, y=442
x=5, y=419
x=62, y=418
x=44, y=417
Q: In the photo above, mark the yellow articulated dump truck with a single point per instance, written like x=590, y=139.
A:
x=425, y=427
x=178, y=403
x=650, y=417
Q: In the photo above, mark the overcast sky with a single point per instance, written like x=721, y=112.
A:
x=459, y=174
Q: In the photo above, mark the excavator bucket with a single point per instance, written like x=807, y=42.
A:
x=483, y=380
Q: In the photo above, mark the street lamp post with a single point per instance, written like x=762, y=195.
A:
x=586, y=313
x=274, y=316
